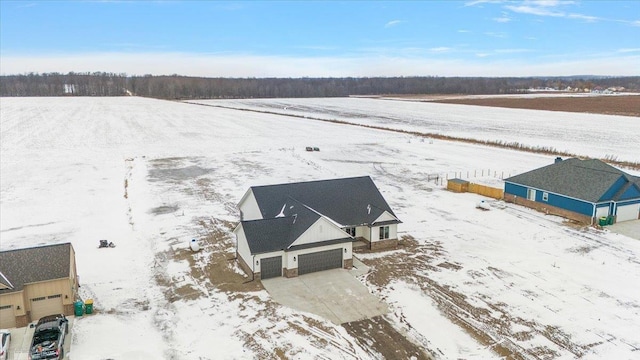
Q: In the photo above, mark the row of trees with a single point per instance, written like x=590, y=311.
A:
x=183, y=87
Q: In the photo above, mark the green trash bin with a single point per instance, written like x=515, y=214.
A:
x=602, y=221
x=78, y=308
x=610, y=220
x=88, y=306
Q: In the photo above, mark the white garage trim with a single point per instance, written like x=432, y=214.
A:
x=46, y=305
x=7, y=317
x=627, y=212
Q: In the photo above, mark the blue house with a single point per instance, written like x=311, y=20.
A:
x=582, y=190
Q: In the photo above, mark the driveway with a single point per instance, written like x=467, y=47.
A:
x=21, y=341
x=628, y=228
x=335, y=295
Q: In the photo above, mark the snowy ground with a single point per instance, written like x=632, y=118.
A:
x=578, y=133
x=150, y=175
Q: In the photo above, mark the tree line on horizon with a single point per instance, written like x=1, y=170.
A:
x=185, y=87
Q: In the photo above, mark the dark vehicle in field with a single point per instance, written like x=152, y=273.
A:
x=48, y=338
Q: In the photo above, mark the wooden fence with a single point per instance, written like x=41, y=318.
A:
x=487, y=191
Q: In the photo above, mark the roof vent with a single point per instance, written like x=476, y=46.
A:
x=558, y=159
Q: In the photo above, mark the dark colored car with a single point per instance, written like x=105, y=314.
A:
x=48, y=338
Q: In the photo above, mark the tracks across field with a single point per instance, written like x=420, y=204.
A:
x=494, y=143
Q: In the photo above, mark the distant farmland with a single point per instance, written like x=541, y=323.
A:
x=626, y=105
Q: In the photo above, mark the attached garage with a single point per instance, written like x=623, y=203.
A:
x=271, y=267
x=627, y=212
x=37, y=282
x=46, y=305
x=319, y=261
x=7, y=317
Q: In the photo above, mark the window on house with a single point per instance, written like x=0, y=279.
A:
x=384, y=232
x=545, y=196
x=351, y=231
x=531, y=194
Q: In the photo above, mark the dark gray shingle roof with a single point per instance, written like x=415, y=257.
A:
x=348, y=201
x=24, y=266
x=280, y=232
x=588, y=180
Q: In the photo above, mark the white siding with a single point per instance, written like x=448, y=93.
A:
x=362, y=231
x=249, y=207
x=290, y=263
x=627, y=212
x=385, y=217
x=321, y=230
x=243, y=247
x=375, y=232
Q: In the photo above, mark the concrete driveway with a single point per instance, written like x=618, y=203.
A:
x=628, y=228
x=335, y=295
x=21, y=341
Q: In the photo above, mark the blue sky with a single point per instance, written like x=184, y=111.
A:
x=322, y=38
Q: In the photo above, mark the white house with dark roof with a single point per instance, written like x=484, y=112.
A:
x=582, y=190
x=298, y=228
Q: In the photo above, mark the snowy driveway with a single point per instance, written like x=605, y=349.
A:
x=335, y=295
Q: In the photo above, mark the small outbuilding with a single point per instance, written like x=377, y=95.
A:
x=582, y=190
x=458, y=185
x=298, y=228
x=36, y=282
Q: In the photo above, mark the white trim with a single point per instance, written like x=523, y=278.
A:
x=315, y=233
x=388, y=217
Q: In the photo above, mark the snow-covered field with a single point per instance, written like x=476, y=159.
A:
x=582, y=134
x=150, y=175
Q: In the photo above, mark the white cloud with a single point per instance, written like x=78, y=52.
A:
x=464, y=31
x=441, y=49
x=212, y=65
x=584, y=17
x=532, y=10
x=392, y=23
x=550, y=3
x=480, y=2
x=502, y=19
x=496, y=34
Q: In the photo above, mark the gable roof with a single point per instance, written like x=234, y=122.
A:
x=279, y=232
x=25, y=266
x=348, y=201
x=591, y=180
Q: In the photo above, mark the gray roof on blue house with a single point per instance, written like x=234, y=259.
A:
x=349, y=201
x=25, y=266
x=588, y=180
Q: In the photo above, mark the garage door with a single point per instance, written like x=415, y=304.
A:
x=322, y=260
x=7, y=317
x=271, y=267
x=627, y=212
x=46, y=305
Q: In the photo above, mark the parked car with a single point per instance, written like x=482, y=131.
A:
x=4, y=345
x=48, y=338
